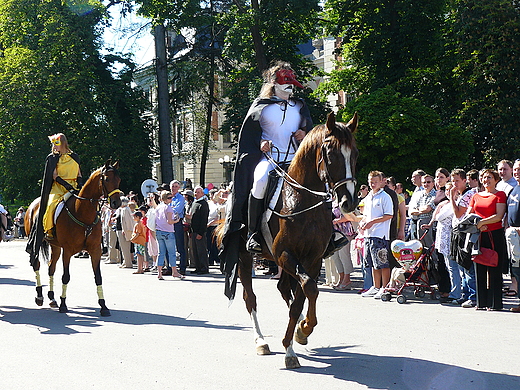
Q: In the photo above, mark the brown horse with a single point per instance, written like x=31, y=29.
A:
x=322, y=168
x=78, y=227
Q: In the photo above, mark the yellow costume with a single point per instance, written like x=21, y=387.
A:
x=68, y=169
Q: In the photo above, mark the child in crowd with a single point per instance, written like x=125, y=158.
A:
x=139, y=240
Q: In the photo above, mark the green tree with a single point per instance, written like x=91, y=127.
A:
x=383, y=40
x=53, y=79
x=397, y=134
x=486, y=41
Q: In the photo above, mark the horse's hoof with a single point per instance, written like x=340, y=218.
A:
x=299, y=336
x=105, y=313
x=291, y=362
x=39, y=301
x=53, y=304
x=263, y=350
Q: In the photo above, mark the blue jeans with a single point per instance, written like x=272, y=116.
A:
x=455, y=279
x=469, y=286
x=166, y=242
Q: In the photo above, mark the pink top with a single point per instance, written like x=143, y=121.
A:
x=161, y=222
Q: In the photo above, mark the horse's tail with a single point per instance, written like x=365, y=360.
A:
x=44, y=250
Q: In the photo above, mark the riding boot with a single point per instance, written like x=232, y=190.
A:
x=255, y=212
x=337, y=241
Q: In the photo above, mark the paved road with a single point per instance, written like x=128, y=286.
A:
x=183, y=335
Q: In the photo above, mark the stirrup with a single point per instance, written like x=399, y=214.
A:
x=49, y=236
x=252, y=244
x=337, y=241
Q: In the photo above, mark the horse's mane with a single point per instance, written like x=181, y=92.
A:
x=315, y=139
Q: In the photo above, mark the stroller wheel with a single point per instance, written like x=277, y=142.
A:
x=436, y=295
x=419, y=293
x=386, y=297
x=401, y=299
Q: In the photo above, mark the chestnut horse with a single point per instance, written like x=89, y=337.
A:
x=78, y=227
x=323, y=168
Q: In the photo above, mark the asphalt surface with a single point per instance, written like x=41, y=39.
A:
x=175, y=334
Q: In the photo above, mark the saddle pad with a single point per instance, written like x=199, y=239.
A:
x=60, y=206
x=57, y=212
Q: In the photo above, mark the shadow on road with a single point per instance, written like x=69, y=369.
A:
x=401, y=373
x=79, y=319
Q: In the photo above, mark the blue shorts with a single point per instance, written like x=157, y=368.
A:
x=377, y=251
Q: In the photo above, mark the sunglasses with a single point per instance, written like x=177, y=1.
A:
x=426, y=182
x=56, y=142
x=169, y=197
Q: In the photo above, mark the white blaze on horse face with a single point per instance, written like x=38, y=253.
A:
x=346, y=151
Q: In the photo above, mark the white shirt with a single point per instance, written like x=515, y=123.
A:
x=506, y=186
x=414, y=199
x=378, y=205
x=278, y=122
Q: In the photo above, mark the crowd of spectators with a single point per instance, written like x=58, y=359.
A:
x=455, y=214
x=171, y=230
x=167, y=232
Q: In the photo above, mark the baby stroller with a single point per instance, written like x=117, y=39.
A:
x=415, y=264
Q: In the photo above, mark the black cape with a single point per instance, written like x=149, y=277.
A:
x=36, y=234
x=247, y=158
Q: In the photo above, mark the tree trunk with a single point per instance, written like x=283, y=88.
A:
x=163, y=100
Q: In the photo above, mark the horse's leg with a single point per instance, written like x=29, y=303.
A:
x=65, y=279
x=307, y=288
x=245, y=270
x=55, y=255
x=310, y=289
x=295, y=309
x=96, y=266
x=39, y=287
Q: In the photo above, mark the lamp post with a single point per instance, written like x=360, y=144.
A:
x=228, y=166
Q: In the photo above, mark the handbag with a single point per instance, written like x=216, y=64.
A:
x=487, y=257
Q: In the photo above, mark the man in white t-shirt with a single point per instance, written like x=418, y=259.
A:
x=505, y=171
x=375, y=225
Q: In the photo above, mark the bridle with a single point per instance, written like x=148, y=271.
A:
x=330, y=186
x=104, y=191
x=329, y=183
x=106, y=198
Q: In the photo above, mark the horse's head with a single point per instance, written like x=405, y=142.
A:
x=338, y=161
x=109, y=179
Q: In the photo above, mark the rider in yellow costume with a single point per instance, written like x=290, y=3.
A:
x=61, y=175
x=68, y=170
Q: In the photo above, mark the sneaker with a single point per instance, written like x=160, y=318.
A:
x=469, y=303
x=372, y=291
x=457, y=302
x=379, y=293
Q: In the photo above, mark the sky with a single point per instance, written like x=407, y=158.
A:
x=131, y=34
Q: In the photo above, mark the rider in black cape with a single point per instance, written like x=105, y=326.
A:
x=278, y=87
